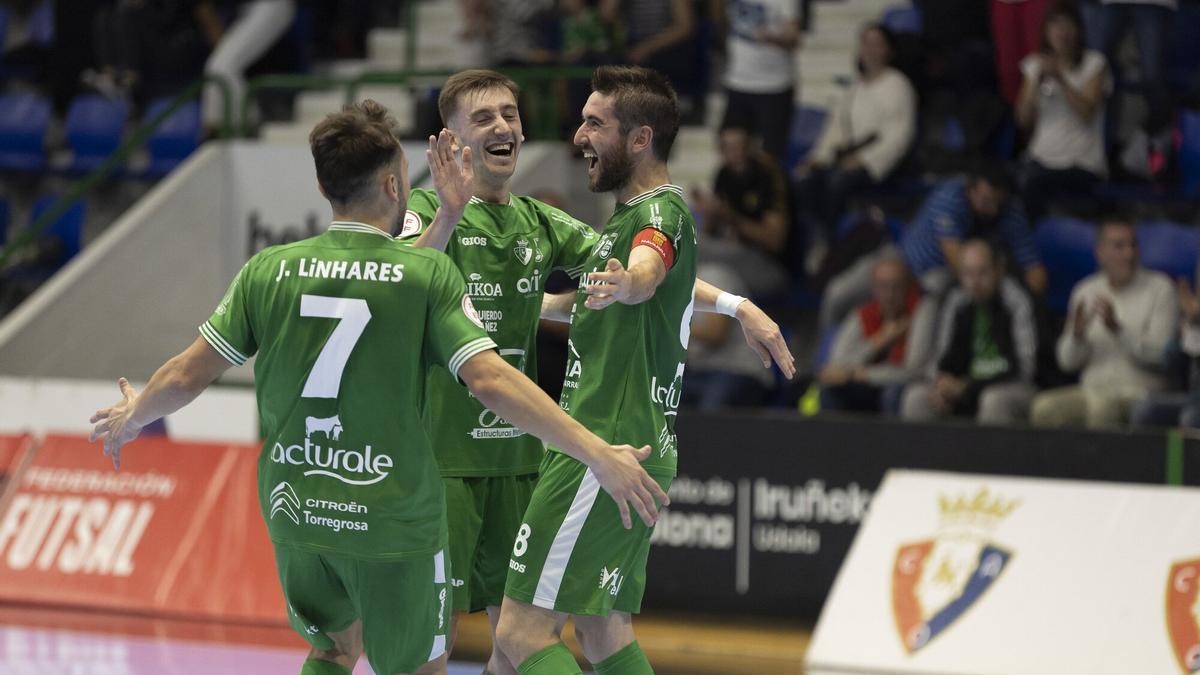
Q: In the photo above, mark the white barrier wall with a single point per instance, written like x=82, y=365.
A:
x=953, y=573
x=134, y=297
x=48, y=406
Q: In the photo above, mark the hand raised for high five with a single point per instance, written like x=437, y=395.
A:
x=114, y=426
x=453, y=181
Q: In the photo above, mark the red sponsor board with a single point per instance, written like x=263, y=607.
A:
x=177, y=531
x=12, y=450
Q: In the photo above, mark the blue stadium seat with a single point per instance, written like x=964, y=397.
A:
x=903, y=19
x=1189, y=152
x=24, y=119
x=93, y=130
x=1170, y=248
x=1067, y=248
x=807, y=124
x=172, y=142
x=68, y=227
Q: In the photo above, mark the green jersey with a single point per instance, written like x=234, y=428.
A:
x=506, y=251
x=625, y=362
x=346, y=325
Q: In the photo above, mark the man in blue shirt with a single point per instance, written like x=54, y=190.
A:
x=980, y=207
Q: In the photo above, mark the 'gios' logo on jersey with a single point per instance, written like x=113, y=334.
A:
x=353, y=467
x=478, y=288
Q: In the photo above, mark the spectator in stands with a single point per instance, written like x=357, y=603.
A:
x=1062, y=104
x=256, y=27
x=520, y=32
x=1149, y=21
x=866, y=135
x=1119, y=322
x=760, y=69
x=587, y=37
x=986, y=349
x=980, y=207
x=1015, y=25
x=659, y=35
x=721, y=372
x=145, y=50
x=883, y=346
x=1177, y=408
x=745, y=219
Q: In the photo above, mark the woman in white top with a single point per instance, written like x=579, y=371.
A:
x=1061, y=105
x=866, y=134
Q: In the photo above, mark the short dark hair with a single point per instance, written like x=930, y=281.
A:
x=993, y=173
x=641, y=97
x=470, y=82
x=351, y=146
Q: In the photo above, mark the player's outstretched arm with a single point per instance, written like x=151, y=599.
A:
x=454, y=183
x=557, y=306
x=174, y=385
x=627, y=286
x=507, y=392
x=762, y=334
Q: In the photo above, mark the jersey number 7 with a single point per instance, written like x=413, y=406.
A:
x=325, y=378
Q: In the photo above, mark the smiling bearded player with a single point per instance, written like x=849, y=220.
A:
x=506, y=246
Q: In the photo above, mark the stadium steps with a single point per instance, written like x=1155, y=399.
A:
x=827, y=58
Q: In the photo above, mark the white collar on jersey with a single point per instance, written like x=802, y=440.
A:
x=662, y=189
x=477, y=200
x=351, y=226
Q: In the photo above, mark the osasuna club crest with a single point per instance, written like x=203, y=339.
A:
x=523, y=252
x=935, y=581
x=1183, y=614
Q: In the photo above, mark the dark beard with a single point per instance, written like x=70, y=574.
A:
x=615, y=172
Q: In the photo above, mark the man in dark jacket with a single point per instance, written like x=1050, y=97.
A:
x=986, y=347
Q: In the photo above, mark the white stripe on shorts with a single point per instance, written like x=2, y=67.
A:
x=564, y=542
x=439, y=577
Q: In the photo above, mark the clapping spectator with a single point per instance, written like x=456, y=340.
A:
x=986, y=350
x=1177, y=408
x=882, y=346
x=1062, y=103
x=144, y=49
x=1119, y=323
x=866, y=135
x=760, y=69
x=744, y=221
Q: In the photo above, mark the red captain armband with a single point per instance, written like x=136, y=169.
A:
x=658, y=241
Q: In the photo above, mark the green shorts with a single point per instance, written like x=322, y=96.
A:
x=403, y=604
x=571, y=553
x=484, y=515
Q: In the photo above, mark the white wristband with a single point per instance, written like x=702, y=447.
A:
x=727, y=303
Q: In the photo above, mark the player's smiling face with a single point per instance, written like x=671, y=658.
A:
x=599, y=136
x=488, y=122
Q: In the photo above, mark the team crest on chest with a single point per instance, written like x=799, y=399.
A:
x=604, y=246
x=523, y=252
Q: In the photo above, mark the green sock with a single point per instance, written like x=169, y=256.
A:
x=628, y=661
x=320, y=667
x=553, y=660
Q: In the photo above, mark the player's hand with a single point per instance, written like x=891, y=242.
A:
x=614, y=284
x=453, y=181
x=114, y=426
x=764, y=337
x=621, y=475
